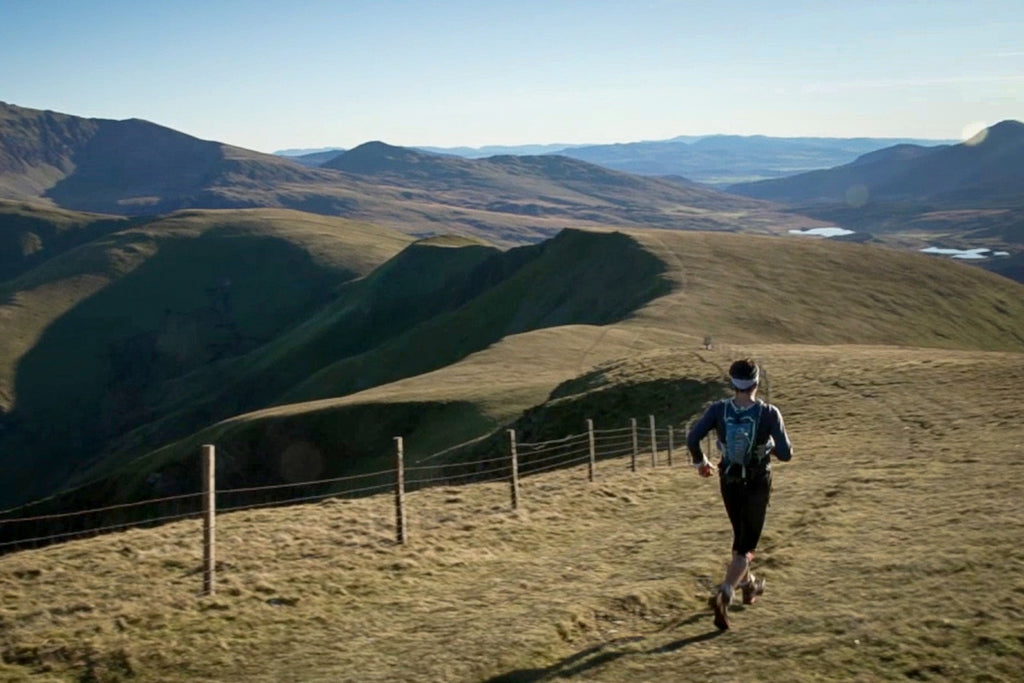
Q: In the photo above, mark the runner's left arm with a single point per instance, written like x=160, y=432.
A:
x=783, y=447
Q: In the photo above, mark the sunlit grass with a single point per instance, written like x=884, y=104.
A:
x=891, y=551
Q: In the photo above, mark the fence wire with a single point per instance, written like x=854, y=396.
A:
x=380, y=488
x=316, y=482
x=108, y=508
x=552, y=442
x=95, y=531
x=555, y=466
x=534, y=458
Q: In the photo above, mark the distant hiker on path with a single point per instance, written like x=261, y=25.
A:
x=749, y=431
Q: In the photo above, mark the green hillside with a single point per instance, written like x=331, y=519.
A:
x=31, y=232
x=397, y=323
x=449, y=342
x=99, y=329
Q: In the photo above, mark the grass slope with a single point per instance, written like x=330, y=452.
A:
x=795, y=290
x=363, y=341
x=891, y=552
x=101, y=326
x=738, y=289
x=31, y=232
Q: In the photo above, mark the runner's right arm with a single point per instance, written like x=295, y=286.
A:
x=783, y=448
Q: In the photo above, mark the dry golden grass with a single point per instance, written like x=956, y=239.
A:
x=891, y=551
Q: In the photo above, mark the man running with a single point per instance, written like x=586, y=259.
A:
x=749, y=431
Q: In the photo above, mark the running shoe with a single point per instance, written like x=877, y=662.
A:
x=720, y=603
x=752, y=589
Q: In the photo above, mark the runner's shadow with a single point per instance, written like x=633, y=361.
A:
x=679, y=644
x=596, y=656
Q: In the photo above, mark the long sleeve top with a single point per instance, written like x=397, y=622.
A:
x=770, y=426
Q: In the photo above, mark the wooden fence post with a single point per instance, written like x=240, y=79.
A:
x=590, y=439
x=654, y=442
x=636, y=445
x=400, y=535
x=515, y=469
x=209, y=520
x=671, y=438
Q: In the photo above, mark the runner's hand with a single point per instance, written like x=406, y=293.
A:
x=705, y=469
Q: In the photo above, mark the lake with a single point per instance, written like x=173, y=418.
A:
x=968, y=254
x=831, y=231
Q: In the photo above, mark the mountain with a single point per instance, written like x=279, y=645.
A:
x=723, y=160
x=129, y=167
x=316, y=159
x=137, y=168
x=501, y=150
x=988, y=168
x=535, y=185
x=715, y=160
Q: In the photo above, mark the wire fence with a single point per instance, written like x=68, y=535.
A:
x=453, y=466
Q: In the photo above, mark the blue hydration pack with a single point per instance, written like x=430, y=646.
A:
x=740, y=446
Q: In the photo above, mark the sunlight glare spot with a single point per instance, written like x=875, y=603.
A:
x=974, y=133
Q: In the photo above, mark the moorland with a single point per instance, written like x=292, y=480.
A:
x=269, y=308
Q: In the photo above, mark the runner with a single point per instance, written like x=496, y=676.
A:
x=749, y=431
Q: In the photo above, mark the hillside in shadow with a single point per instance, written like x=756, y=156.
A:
x=452, y=340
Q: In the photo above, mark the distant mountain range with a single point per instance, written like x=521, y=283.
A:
x=135, y=168
x=906, y=194
x=988, y=168
x=715, y=160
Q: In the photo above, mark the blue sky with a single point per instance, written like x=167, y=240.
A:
x=269, y=75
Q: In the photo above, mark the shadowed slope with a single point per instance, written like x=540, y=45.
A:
x=738, y=289
x=397, y=323
x=100, y=328
x=30, y=233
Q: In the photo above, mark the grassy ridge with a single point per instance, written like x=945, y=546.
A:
x=737, y=288
x=575, y=278
x=889, y=545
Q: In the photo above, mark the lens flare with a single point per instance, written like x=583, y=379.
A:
x=974, y=133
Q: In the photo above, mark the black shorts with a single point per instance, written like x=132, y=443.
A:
x=746, y=501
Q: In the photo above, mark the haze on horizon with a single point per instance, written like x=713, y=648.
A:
x=309, y=74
